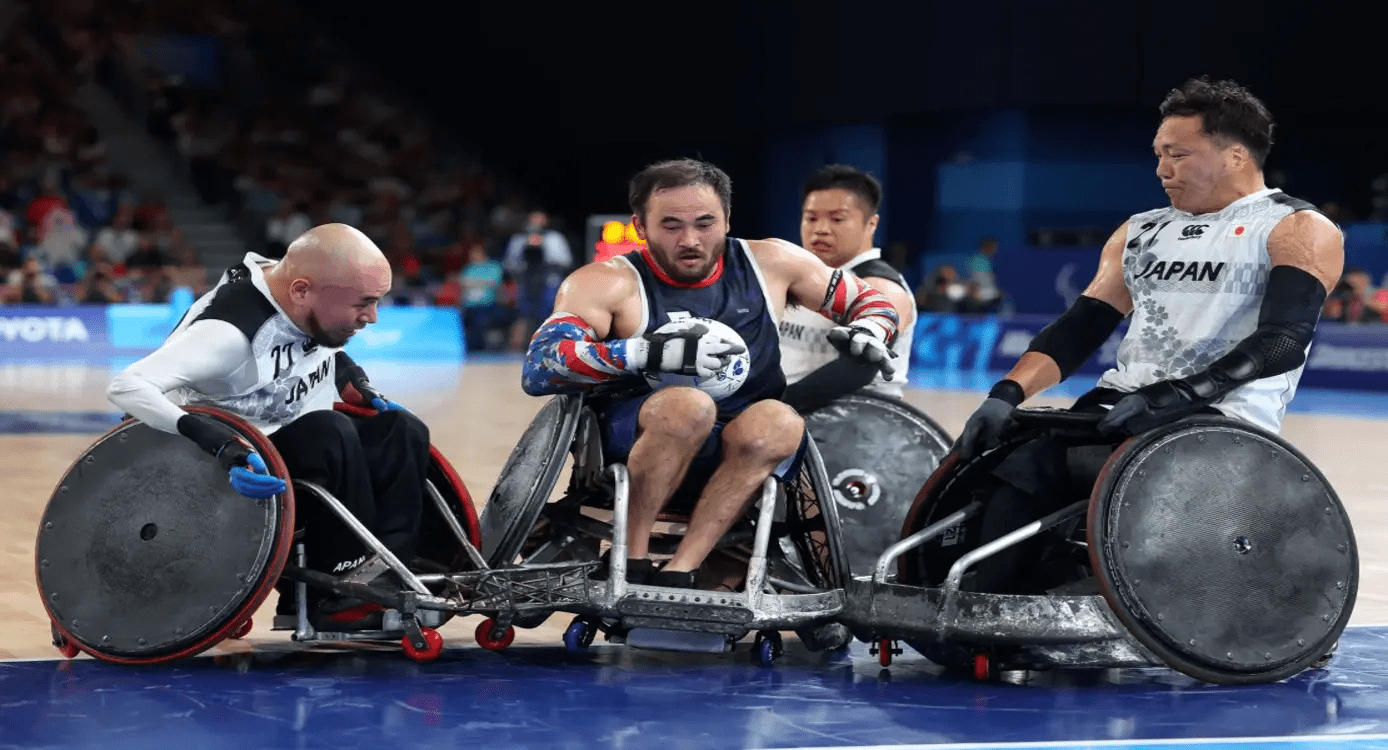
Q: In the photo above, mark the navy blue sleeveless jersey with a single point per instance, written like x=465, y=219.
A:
x=737, y=298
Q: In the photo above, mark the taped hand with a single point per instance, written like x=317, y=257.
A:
x=692, y=351
x=866, y=344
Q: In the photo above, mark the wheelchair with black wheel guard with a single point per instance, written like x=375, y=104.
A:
x=145, y=554
x=1212, y=547
x=785, y=550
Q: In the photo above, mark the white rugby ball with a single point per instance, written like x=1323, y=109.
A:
x=724, y=383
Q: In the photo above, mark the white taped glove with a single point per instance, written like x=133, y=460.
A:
x=693, y=351
x=866, y=342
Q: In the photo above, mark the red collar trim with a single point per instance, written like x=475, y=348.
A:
x=660, y=274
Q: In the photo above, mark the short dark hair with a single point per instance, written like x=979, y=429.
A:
x=1226, y=110
x=677, y=173
x=845, y=177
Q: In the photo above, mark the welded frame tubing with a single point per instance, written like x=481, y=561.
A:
x=756, y=566
x=889, y=556
x=621, y=496
x=453, y=524
x=956, y=572
x=366, y=536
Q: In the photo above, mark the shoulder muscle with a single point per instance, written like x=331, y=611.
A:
x=1309, y=241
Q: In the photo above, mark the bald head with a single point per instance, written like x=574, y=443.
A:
x=334, y=254
x=329, y=282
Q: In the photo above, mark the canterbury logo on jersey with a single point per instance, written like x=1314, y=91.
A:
x=1182, y=271
x=1193, y=231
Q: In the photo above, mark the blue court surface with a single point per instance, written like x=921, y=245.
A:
x=614, y=697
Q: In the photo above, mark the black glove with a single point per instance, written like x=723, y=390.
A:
x=246, y=470
x=984, y=429
x=1151, y=406
x=356, y=388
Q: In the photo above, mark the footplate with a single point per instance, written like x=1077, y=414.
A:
x=701, y=611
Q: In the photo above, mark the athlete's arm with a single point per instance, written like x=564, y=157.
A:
x=1070, y=340
x=568, y=354
x=1307, y=255
x=206, y=351
x=847, y=373
x=841, y=297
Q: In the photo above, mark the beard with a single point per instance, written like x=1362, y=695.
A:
x=671, y=262
x=324, y=338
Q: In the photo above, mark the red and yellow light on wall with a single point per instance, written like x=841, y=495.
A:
x=618, y=238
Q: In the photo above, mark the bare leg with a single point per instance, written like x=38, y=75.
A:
x=754, y=443
x=672, y=426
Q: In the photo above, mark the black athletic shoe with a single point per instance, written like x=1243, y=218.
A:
x=638, y=570
x=671, y=579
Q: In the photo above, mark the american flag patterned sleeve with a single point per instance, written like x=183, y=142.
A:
x=850, y=302
x=565, y=356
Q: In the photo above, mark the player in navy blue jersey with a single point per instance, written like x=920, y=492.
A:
x=678, y=343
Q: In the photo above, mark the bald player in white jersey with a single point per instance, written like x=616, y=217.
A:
x=1225, y=288
x=266, y=345
x=838, y=221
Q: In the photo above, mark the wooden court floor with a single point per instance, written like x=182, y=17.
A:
x=477, y=413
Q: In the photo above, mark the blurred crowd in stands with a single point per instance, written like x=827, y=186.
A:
x=289, y=134
x=71, y=229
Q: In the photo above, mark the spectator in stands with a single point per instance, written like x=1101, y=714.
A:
x=93, y=203
x=62, y=244
x=99, y=288
x=31, y=285
x=981, y=271
x=481, y=281
x=937, y=295
x=1353, y=300
x=146, y=257
x=119, y=240
x=538, y=258
x=50, y=197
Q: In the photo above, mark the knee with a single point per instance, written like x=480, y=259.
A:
x=329, y=427
x=412, y=428
x=767, y=431
x=680, y=413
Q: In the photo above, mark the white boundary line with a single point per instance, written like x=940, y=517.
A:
x=1112, y=743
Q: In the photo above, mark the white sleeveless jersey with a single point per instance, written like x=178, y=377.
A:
x=805, y=343
x=1197, y=284
x=288, y=375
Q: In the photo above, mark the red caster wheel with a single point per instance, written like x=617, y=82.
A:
x=983, y=666
x=485, y=639
x=65, y=647
x=884, y=652
x=68, y=649
x=433, y=646
x=242, y=630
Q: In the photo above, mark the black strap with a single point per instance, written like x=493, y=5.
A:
x=878, y=268
x=691, y=338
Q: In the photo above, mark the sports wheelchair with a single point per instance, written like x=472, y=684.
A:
x=146, y=555
x=789, y=552
x=1215, y=548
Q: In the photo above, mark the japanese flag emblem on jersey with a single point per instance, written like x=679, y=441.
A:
x=1239, y=230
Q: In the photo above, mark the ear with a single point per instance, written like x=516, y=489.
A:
x=872, y=224
x=299, y=291
x=640, y=227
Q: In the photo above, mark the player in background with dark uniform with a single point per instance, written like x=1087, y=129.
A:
x=1225, y=287
x=266, y=345
x=838, y=221
x=603, y=333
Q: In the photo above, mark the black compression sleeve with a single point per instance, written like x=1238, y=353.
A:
x=1286, y=324
x=841, y=376
x=1073, y=338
